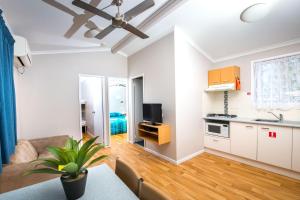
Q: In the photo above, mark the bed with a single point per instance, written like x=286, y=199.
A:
x=118, y=123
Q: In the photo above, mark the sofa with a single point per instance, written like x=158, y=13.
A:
x=26, y=151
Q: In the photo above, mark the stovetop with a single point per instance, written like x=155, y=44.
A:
x=221, y=115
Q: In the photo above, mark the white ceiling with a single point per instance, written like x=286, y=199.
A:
x=213, y=25
x=44, y=25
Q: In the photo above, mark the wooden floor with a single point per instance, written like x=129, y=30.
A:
x=204, y=177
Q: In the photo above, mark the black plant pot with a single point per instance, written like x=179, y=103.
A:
x=74, y=188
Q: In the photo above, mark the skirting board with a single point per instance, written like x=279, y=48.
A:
x=274, y=169
x=160, y=155
x=176, y=162
x=189, y=157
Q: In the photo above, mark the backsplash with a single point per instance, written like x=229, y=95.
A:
x=239, y=103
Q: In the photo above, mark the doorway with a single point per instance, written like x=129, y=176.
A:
x=137, y=106
x=92, y=118
x=118, y=115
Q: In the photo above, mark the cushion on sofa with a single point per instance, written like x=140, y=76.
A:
x=24, y=152
x=45, y=154
x=41, y=144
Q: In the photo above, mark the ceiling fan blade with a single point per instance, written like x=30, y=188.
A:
x=138, y=9
x=105, y=32
x=73, y=29
x=60, y=7
x=92, y=9
x=80, y=20
x=95, y=3
x=134, y=30
x=91, y=25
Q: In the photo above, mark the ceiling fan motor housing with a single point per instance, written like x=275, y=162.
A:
x=117, y=22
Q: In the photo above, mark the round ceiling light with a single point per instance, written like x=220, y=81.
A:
x=255, y=12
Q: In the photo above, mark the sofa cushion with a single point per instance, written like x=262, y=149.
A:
x=24, y=152
x=45, y=154
x=41, y=144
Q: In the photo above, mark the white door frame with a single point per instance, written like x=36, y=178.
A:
x=127, y=109
x=104, y=92
x=131, y=130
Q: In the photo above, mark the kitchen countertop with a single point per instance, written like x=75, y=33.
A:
x=294, y=124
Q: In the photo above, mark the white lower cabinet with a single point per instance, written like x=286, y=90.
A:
x=296, y=150
x=217, y=143
x=275, y=145
x=243, y=139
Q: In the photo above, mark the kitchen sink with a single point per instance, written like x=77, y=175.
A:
x=267, y=120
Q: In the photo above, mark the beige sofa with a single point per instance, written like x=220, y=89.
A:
x=27, y=150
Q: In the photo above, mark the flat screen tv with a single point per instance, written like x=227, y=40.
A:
x=152, y=113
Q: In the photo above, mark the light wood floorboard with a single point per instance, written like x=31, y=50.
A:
x=204, y=177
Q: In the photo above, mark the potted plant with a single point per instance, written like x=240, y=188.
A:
x=71, y=162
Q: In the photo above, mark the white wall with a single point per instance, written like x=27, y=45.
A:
x=156, y=62
x=240, y=102
x=191, y=80
x=47, y=93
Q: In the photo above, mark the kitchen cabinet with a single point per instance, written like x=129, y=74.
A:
x=275, y=145
x=229, y=74
x=214, y=77
x=217, y=143
x=296, y=150
x=223, y=75
x=243, y=139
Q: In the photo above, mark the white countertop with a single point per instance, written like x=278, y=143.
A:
x=295, y=124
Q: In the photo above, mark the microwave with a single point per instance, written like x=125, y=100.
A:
x=217, y=128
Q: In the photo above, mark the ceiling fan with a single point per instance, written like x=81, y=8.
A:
x=120, y=20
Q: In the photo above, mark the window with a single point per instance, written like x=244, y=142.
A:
x=276, y=83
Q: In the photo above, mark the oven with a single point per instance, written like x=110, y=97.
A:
x=217, y=128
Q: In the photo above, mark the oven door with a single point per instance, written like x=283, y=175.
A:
x=220, y=130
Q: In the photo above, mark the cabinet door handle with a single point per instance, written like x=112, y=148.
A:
x=249, y=126
x=265, y=128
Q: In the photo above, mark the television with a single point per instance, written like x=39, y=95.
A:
x=152, y=113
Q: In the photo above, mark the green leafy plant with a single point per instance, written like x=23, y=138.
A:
x=71, y=160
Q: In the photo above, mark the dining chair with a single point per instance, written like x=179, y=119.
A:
x=128, y=175
x=150, y=192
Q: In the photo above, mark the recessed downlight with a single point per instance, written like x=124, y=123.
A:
x=255, y=12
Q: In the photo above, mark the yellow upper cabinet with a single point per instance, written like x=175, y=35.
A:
x=229, y=74
x=214, y=77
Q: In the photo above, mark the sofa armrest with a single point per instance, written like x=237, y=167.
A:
x=41, y=144
x=12, y=177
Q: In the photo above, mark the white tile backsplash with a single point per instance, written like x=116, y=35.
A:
x=241, y=104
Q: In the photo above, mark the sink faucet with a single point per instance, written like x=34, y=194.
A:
x=280, y=117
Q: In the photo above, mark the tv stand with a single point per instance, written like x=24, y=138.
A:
x=158, y=133
x=153, y=123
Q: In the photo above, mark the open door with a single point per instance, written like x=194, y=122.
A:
x=92, y=95
x=138, y=93
x=118, y=115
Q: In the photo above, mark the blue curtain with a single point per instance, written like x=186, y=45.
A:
x=8, y=129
